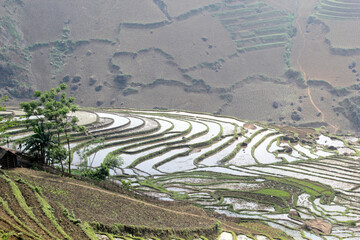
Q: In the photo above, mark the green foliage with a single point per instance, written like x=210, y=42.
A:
x=5, y=235
x=39, y=142
x=71, y=216
x=126, y=185
x=98, y=174
x=113, y=161
x=57, y=154
x=51, y=112
x=89, y=231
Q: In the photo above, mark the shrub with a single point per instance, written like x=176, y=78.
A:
x=275, y=105
x=227, y=97
x=92, y=81
x=122, y=80
x=130, y=91
x=98, y=88
x=98, y=174
x=66, y=79
x=76, y=79
x=295, y=116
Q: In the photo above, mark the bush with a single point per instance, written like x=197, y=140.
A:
x=275, y=105
x=295, y=116
x=122, y=80
x=98, y=174
x=126, y=185
x=295, y=76
x=74, y=87
x=92, y=81
x=76, y=79
x=98, y=88
x=227, y=97
x=66, y=79
x=130, y=91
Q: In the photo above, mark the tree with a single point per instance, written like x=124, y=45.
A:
x=39, y=142
x=57, y=154
x=113, y=161
x=52, y=108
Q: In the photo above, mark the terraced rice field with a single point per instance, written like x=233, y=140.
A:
x=234, y=168
x=339, y=9
x=256, y=25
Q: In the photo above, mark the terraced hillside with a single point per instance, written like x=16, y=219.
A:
x=26, y=214
x=339, y=9
x=234, y=168
x=256, y=25
x=37, y=205
x=239, y=55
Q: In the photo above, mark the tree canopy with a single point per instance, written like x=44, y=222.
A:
x=50, y=112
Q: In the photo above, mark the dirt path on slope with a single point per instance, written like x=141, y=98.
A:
x=298, y=62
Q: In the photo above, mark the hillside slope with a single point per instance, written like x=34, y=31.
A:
x=38, y=205
x=278, y=57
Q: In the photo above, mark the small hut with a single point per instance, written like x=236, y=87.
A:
x=8, y=158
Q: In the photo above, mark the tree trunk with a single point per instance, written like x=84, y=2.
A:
x=41, y=155
x=68, y=143
x=62, y=168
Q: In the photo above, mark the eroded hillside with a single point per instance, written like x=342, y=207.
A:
x=294, y=62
